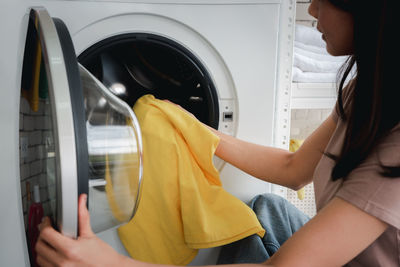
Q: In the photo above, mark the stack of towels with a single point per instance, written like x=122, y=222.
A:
x=312, y=63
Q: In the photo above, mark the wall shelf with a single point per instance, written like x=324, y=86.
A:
x=313, y=95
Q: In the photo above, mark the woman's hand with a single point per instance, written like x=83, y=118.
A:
x=55, y=249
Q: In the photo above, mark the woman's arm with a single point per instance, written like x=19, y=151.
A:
x=55, y=249
x=337, y=234
x=278, y=166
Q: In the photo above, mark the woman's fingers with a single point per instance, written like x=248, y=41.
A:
x=53, y=238
x=85, y=229
x=55, y=249
x=43, y=263
x=51, y=255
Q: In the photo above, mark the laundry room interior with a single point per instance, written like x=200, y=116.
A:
x=203, y=69
x=311, y=103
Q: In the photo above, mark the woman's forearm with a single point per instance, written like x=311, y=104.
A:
x=131, y=262
x=266, y=163
x=274, y=165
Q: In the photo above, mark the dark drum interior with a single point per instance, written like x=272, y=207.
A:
x=132, y=65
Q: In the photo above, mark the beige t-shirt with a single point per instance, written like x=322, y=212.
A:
x=367, y=189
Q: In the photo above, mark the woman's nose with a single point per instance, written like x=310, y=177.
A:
x=313, y=9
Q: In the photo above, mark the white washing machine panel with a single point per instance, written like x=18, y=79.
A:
x=246, y=47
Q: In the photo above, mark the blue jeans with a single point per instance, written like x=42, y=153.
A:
x=278, y=217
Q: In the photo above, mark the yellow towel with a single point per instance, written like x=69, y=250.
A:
x=32, y=94
x=122, y=184
x=183, y=206
x=294, y=145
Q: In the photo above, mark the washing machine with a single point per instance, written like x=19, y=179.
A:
x=226, y=61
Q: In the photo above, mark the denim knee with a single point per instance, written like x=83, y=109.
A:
x=278, y=216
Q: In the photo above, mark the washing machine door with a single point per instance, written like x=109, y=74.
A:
x=91, y=139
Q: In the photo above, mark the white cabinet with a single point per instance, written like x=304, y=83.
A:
x=310, y=95
x=313, y=95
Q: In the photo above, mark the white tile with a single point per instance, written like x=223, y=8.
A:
x=294, y=132
x=326, y=113
x=35, y=138
x=42, y=107
x=48, y=124
x=23, y=188
x=21, y=121
x=32, y=154
x=43, y=194
x=23, y=145
x=33, y=180
x=300, y=114
x=302, y=12
x=24, y=171
x=47, y=137
x=39, y=123
x=29, y=123
x=21, y=158
x=42, y=180
x=46, y=208
x=52, y=191
x=41, y=152
x=36, y=167
x=314, y=115
x=24, y=106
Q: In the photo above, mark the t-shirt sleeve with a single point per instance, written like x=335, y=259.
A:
x=335, y=113
x=368, y=189
x=346, y=100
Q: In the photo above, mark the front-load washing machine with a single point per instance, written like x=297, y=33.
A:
x=227, y=61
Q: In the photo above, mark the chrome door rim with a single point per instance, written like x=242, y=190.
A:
x=66, y=162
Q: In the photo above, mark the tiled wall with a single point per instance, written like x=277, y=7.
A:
x=303, y=123
x=35, y=135
x=302, y=16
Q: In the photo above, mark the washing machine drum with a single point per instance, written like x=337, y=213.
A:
x=91, y=138
x=134, y=64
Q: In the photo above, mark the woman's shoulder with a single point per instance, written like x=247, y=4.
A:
x=345, y=99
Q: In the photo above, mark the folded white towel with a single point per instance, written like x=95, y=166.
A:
x=308, y=35
x=311, y=61
x=311, y=48
x=309, y=64
x=312, y=77
x=318, y=55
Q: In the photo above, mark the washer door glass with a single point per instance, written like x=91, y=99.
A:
x=38, y=155
x=115, y=155
x=48, y=136
x=76, y=136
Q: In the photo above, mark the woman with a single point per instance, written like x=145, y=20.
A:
x=353, y=159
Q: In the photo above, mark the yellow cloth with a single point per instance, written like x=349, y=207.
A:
x=183, y=206
x=122, y=184
x=294, y=145
x=32, y=94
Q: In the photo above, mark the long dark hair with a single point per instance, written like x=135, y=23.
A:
x=373, y=108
